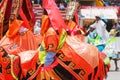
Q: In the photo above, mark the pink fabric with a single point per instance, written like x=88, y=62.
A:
x=55, y=16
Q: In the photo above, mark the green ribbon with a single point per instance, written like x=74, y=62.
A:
x=111, y=40
x=42, y=53
x=62, y=39
x=94, y=41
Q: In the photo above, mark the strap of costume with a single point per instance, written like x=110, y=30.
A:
x=15, y=71
x=30, y=12
x=26, y=22
x=45, y=24
x=2, y=14
x=62, y=39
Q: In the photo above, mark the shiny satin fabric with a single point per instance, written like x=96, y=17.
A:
x=77, y=60
x=45, y=24
x=54, y=15
x=74, y=59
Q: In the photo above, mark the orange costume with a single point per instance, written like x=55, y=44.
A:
x=59, y=57
x=18, y=38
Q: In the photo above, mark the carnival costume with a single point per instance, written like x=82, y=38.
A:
x=59, y=57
